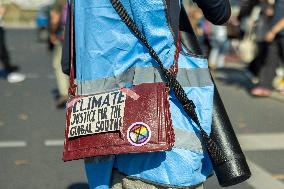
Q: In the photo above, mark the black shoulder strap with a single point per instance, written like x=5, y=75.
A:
x=188, y=105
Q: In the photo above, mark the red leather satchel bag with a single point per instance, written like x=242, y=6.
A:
x=124, y=121
x=128, y=120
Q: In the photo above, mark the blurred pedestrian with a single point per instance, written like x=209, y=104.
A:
x=203, y=34
x=277, y=33
x=275, y=36
x=201, y=27
x=246, y=7
x=219, y=46
x=58, y=15
x=263, y=25
x=11, y=71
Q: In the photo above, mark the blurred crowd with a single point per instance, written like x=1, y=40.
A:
x=50, y=22
x=254, y=36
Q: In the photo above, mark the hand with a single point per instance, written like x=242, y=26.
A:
x=269, y=37
x=234, y=21
x=53, y=38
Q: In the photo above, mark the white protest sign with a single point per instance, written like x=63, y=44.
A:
x=97, y=114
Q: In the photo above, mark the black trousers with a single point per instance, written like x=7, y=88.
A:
x=273, y=59
x=259, y=61
x=280, y=44
x=4, y=55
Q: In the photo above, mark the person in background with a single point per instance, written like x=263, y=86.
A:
x=219, y=44
x=11, y=71
x=275, y=36
x=201, y=27
x=262, y=26
x=278, y=82
x=58, y=15
x=246, y=7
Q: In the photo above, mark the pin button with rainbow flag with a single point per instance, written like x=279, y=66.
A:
x=138, y=134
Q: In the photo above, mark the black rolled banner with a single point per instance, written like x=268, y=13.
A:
x=235, y=170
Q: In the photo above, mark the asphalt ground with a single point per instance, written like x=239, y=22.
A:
x=32, y=129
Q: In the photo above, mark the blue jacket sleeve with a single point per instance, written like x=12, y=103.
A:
x=216, y=11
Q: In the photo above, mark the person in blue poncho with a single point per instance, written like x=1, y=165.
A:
x=105, y=52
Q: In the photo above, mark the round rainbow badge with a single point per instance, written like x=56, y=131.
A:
x=138, y=134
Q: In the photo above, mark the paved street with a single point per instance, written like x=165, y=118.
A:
x=32, y=129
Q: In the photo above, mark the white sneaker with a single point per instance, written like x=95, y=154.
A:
x=15, y=77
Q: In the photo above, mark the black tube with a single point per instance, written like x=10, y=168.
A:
x=235, y=170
